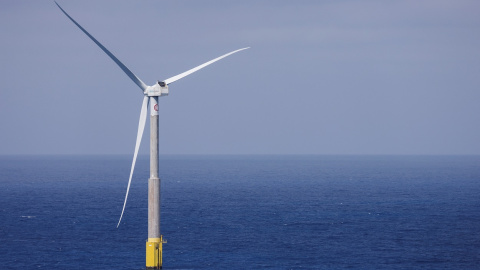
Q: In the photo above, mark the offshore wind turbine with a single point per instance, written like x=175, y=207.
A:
x=150, y=98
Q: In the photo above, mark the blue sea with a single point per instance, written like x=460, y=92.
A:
x=243, y=212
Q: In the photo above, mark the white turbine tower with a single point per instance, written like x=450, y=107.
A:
x=150, y=95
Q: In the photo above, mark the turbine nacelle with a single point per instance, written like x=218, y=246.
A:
x=159, y=89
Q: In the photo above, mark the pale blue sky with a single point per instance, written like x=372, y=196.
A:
x=321, y=77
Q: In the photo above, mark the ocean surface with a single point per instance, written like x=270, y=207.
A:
x=243, y=212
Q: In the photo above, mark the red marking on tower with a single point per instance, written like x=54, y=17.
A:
x=155, y=107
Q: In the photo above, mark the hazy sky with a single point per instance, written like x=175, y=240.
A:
x=321, y=77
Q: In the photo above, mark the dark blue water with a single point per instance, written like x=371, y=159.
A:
x=244, y=212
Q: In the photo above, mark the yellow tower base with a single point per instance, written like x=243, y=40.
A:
x=154, y=253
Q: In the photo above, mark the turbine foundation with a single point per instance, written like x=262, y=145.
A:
x=154, y=253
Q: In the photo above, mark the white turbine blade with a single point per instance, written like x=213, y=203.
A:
x=130, y=74
x=188, y=72
x=141, y=127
